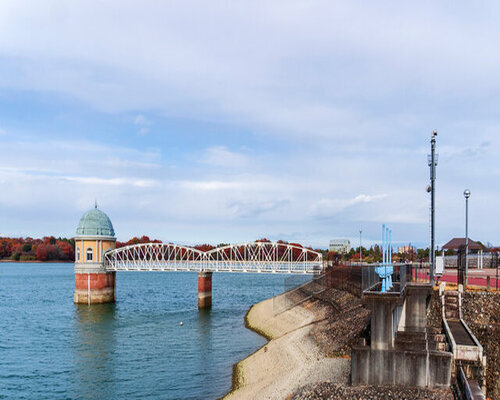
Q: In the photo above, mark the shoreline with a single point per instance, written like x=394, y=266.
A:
x=290, y=359
x=307, y=355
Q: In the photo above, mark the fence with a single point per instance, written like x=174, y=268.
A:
x=489, y=280
x=359, y=278
x=297, y=291
x=481, y=261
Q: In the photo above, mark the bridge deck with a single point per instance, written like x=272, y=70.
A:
x=214, y=268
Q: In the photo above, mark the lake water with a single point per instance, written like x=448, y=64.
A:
x=134, y=349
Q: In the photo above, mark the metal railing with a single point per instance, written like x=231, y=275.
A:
x=296, y=294
x=358, y=278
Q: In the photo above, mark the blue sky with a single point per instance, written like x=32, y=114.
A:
x=198, y=121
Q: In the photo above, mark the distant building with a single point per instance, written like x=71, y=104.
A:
x=476, y=257
x=406, y=250
x=341, y=246
x=457, y=243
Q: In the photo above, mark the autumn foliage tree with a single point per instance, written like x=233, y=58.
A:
x=137, y=240
x=45, y=249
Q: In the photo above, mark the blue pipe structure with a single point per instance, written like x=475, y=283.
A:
x=385, y=269
x=389, y=250
x=386, y=258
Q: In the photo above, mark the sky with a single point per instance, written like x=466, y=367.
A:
x=196, y=121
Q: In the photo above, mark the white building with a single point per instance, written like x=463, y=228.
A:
x=341, y=246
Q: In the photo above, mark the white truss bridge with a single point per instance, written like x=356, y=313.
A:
x=256, y=257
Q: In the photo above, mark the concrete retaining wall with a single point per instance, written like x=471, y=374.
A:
x=398, y=367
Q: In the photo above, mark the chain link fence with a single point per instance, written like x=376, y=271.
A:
x=354, y=278
x=298, y=288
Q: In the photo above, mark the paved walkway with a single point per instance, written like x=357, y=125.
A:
x=477, y=277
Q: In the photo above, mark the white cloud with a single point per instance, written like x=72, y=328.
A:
x=327, y=207
x=144, y=124
x=252, y=209
x=472, y=149
x=266, y=73
x=142, y=183
x=221, y=156
x=213, y=185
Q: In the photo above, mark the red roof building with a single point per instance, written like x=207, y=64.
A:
x=456, y=243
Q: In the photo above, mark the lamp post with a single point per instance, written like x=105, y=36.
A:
x=360, y=254
x=466, y=195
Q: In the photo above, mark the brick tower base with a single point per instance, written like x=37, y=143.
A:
x=95, y=288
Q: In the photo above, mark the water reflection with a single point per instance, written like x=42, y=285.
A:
x=94, y=351
x=205, y=356
x=204, y=331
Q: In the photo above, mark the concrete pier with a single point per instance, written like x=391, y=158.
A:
x=204, y=289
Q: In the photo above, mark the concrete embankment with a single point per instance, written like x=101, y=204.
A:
x=290, y=360
x=307, y=356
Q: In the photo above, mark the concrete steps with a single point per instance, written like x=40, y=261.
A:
x=451, y=305
x=438, y=342
x=466, y=350
x=410, y=340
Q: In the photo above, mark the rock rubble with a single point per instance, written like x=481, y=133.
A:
x=481, y=312
x=332, y=391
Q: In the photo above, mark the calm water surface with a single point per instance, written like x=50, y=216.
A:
x=134, y=349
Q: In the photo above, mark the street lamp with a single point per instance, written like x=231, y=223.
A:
x=466, y=195
x=360, y=254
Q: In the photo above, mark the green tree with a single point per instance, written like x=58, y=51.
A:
x=423, y=254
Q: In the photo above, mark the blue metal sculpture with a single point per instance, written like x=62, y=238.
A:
x=385, y=270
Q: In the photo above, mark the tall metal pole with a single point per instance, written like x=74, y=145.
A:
x=383, y=244
x=360, y=254
x=389, y=248
x=433, y=164
x=466, y=195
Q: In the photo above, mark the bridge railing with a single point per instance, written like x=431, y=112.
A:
x=257, y=257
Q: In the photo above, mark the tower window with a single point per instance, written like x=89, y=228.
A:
x=90, y=254
x=77, y=254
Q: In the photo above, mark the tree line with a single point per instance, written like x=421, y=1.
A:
x=374, y=255
x=50, y=248
x=47, y=248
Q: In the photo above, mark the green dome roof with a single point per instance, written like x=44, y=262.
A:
x=95, y=223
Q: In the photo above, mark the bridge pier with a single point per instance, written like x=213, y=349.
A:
x=204, y=290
